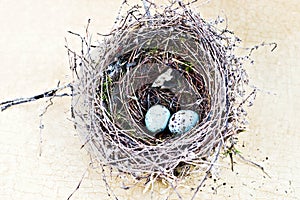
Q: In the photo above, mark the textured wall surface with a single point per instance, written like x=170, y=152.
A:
x=33, y=58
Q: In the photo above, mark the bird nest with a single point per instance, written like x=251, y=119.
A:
x=116, y=83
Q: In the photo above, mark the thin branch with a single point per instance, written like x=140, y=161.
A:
x=41, y=127
x=274, y=44
x=208, y=170
x=255, y=164
x=78, y=186
x=50, y=93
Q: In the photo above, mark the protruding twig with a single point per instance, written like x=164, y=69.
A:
x=208, y=169
x=253, y=163
x=78, y=186
x=41, y=126
x=51, y=93
x=274, y=44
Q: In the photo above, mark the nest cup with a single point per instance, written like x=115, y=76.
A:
x=107, y=104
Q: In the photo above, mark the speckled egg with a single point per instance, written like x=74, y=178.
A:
x=157, y=118
x=183, y=121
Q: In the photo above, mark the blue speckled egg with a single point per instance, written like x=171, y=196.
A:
x=157, y=118
x=183, y=121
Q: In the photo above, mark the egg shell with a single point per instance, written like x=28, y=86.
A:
x=183, y=121
x=157, y=118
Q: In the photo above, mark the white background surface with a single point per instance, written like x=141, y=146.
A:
x=33, y=58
